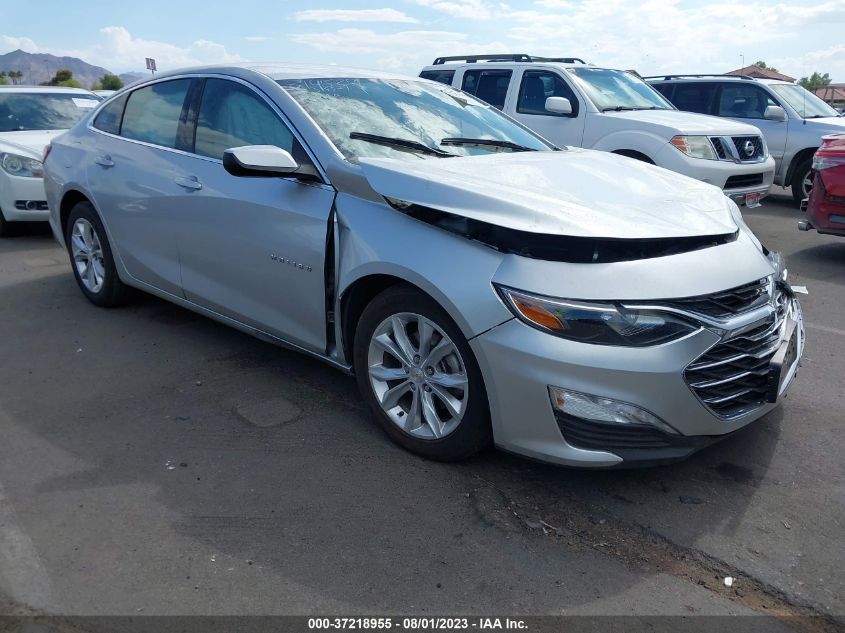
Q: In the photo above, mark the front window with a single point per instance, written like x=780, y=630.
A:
x=804, y=102
x=618, y=90
x=43, y=110
x=371, y=117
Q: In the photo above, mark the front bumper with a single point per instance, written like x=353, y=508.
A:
x=737, y=180
x=14, y=191
x=519, y=364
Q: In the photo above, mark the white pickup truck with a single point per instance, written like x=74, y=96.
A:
x=572, y=103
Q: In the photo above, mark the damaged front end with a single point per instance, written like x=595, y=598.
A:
x=559, y=248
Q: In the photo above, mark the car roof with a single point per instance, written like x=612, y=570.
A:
x=733, y=78
x=280, y=71
x=45, y=89
x=498, y=63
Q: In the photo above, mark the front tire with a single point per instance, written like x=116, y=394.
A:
x=802, y=181
x=5, y=225
x=91, y=257
x=417, y=373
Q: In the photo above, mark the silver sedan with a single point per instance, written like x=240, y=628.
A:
x=484, y=286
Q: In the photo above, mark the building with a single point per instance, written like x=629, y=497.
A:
x=833, y=94
x=760, y=73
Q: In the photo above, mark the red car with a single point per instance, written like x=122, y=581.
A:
x=826, y=205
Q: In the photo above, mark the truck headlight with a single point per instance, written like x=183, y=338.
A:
x=695, y=146
x=596, y=323
x=22, y=166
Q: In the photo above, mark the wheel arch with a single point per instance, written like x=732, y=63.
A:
x=70, y=199
x=357, y=296
x=632, y=153
x=797, y=159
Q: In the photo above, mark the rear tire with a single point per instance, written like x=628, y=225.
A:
x=91, y=258
x=419, y=376
x=801, y=180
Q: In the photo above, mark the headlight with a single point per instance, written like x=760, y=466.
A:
x=596, y=323
x=21, y=166
x=695, y=146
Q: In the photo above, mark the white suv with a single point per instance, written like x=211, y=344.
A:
x=573, y=103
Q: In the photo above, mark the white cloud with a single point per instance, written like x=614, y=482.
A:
x=470, y=9
x=405, y=51
x=353, y=15
x=665, y=35
x=118, y=50
x=256, y=38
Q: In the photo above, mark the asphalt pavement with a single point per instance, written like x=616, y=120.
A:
x=155, y=462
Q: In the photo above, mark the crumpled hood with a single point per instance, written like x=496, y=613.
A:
x=575, y=192
x=678, y=122
x=28, y=142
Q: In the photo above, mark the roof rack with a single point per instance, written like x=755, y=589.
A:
x=505, y=57
x=722, y=75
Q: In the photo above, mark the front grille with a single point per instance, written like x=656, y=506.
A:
x=720, y=149
x=728, y=302
x=732, y=377
x=734, y=148
x=740, y=145
x=747, y=180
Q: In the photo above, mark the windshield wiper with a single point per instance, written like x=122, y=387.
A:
x=487, y=142
x=405, y=144
x=626, y=108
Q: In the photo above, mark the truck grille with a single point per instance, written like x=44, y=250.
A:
x=740, y=143
x=728, y=302
x=734, y=148
x=732, y=377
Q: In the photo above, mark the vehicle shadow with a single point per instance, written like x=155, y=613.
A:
x=259, y=467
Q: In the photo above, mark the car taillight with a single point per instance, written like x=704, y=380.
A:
x=47, y=149
x=826, y=162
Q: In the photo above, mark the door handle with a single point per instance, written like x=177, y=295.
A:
x=189, y=183
x=104, y=161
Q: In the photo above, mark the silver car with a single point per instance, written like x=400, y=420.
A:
x=484, y=286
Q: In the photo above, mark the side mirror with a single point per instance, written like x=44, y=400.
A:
x=775, y=113
x=261, y=160
x=558, y=105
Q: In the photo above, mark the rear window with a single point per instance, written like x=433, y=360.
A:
x=152, y=113
x=443, y=76
x=488, y=85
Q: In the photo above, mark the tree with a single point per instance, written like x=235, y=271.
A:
x=3, y=80
x=63, y=77
x=111, y=82
x=108, y=82
x=814, y=81
x=15, y=75
x=762, y=64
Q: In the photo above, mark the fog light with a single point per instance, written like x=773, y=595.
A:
x=604, y=410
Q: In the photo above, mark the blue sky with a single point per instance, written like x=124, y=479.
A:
x=651, y=36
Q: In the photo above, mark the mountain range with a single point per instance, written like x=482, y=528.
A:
x=39, y=67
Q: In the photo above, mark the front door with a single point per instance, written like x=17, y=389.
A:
x=252, y=249
x=529, y=108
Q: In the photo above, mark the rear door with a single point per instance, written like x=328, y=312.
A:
x=131, y=178
x=529, y=107
x=252, y=248
x=488, y=84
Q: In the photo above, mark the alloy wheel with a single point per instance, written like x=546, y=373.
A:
x=87, y=254
x=807, y=184
x=418, y=376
